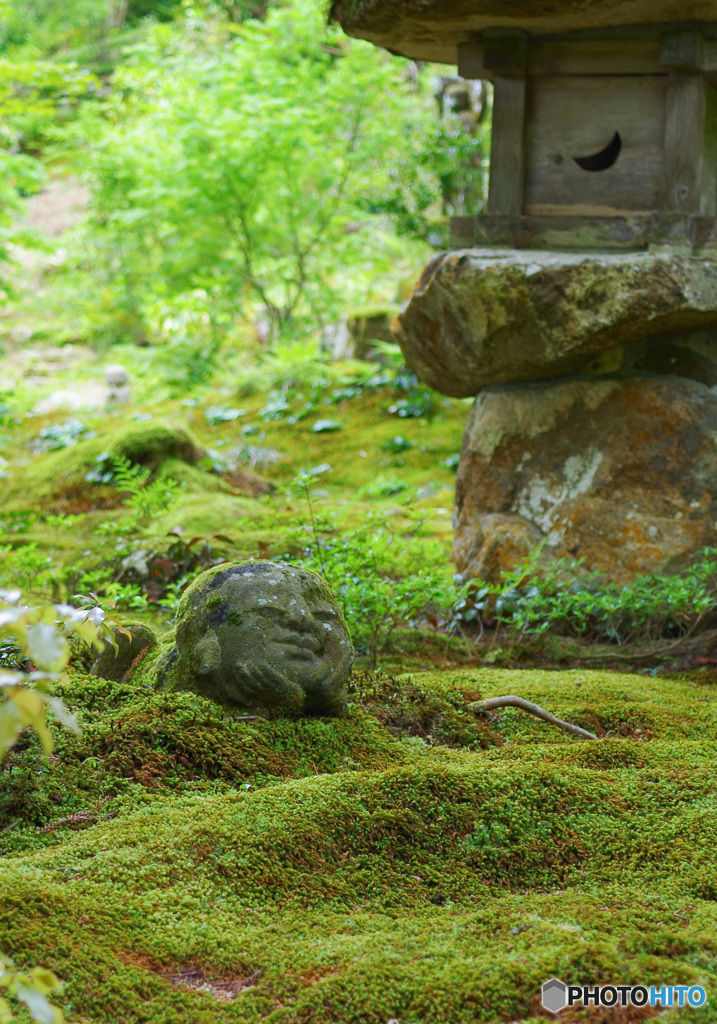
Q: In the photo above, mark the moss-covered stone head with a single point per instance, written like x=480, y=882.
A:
x=262, y=635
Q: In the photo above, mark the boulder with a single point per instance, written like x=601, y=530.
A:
x=483, y=317
x=368, y=326
x=355, y=336
x=621, y=473
x=119, y=664
x=261, y=636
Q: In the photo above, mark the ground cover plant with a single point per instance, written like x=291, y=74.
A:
x=420, y=860
x=414, y=861
x=368, y=867
x=36, y=636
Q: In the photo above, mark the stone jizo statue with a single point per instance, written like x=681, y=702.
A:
x=119, y=391
x=261, y=636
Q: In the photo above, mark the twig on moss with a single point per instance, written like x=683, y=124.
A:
x=684, y=645
x=532, y=709
x=79, y=818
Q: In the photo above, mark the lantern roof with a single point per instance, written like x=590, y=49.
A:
x=433, y=29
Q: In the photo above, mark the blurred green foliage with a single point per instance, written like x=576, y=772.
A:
x=18, y=174
x=254, y=170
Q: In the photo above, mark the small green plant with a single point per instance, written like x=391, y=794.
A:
x=126, y=596
x=61, y=435
x=538, y=597
x=145, y=500
x=215, y=414
x=419, y=402
x=189, y=355
x=397, y=445
x=381, y=582
x=385, y=487
x=26, y=567
x=276, y=408
x=326, y=426
x=35, y=571
x=34, y=649
x=291, y=366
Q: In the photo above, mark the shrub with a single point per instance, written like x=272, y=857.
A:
x=380, y=582
x=563, y=598
x=250, y=176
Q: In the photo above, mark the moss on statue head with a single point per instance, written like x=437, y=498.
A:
x=261, y=636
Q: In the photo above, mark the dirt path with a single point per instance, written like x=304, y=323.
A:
x=60, y=206
x=30, y=357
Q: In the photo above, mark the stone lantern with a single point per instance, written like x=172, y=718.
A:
x=580, y=308
x=607, y=142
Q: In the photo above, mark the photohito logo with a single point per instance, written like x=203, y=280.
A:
x=556, y=995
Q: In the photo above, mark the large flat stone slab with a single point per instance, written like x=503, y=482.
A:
x=620, y=473
x=480, y=317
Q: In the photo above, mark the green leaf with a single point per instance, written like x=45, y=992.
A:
x=326, y=426
x=45, y=980
x=62, y=714
x=30, y=704
x=11, y=725
x=38, y=1005
x=46, y=646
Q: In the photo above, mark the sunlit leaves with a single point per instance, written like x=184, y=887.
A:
x=35, y=88
x=31, y=988
x=39, y=638
x=243, y=173
x=18, y=174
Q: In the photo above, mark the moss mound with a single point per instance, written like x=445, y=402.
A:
x=390, y=865
x=151, y=444
x=59, y=479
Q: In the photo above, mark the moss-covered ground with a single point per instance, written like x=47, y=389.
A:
x=234, y=476
x=407, y=862
x=413, y=863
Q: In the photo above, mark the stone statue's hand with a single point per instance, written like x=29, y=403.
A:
x=262, y=683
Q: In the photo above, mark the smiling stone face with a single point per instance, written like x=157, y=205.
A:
x=262, y=636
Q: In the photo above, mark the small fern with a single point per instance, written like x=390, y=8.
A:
x=147, y=500
x=128, y=476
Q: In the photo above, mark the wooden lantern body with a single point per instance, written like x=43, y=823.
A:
x=598, y=142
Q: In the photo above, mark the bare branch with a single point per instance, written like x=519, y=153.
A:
x=532, y=709
x=683, y=645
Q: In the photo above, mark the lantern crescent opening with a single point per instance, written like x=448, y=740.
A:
x=604, y=158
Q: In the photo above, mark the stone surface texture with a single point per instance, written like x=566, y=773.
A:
x=478, y=318
x=432, y=29
x=620, y=472
x=119, y=664
x=261, y=636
